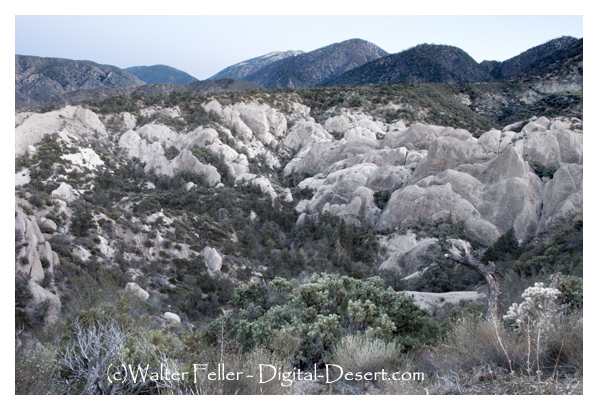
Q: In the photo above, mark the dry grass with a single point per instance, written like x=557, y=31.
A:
x=479, y=358
x=358, y=353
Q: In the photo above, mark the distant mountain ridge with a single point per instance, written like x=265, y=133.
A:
x=41, y=78
x=316, y=67
x=531, y=59
x=160, y=73
x=241, y=70
x=425, y=63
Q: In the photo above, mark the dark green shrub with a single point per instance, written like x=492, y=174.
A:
x=543, y=170
x=171, y=152
x=381, y=198
x=82, y=220
x=571, y=293
x=505, y=247
x=321, y=312
x=441, y=275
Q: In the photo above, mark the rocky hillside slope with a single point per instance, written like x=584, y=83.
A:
x=38, y=78
x=187, y=199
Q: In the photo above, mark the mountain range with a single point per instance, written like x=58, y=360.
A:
x=349, y=62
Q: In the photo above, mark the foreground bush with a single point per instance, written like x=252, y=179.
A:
x=314, y=317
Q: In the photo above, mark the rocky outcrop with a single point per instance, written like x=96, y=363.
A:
x=35, y=262
x=433, y=172
x=259, y=181
x=72, y=122
x=411, y=204
x=152, y=154
x=303, y=134
x=562, y=195
x=64, y=192
x=402, y=253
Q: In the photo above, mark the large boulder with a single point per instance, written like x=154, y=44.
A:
x=213, y=260
x=172, y=318
x=490, y=141
x=136, y=290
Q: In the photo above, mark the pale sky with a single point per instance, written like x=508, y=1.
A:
x=204, y=45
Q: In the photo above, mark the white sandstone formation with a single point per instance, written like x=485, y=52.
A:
x=432, y=172
x=75, y=122
x=32, y=249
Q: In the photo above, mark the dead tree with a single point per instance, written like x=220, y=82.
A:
x=488, y=273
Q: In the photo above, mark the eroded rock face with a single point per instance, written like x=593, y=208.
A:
x=448, y=152
x=75, y=122
x=185, y=161
x=303, y=134
x=152, y=154
x=408, y=205
x=34, y=252
x=563, y=194
x=404, y=253
x=553, y=147
x=433, y=172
